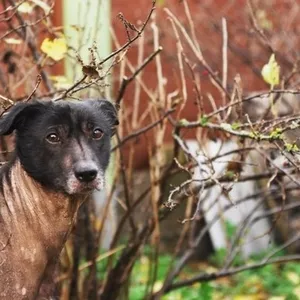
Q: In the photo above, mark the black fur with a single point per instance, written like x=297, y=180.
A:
x=52, y=164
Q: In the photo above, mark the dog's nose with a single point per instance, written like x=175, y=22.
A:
x=86, y=175
x=85, y=172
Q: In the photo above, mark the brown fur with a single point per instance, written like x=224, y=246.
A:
x=35, y=224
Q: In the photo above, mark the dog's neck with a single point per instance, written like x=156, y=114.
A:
x=26, y=196
x=37, y=223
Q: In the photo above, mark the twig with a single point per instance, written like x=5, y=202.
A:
x=31, y=45
x=197, y=53
x=7, y=100
x=38, y=81
x=140, y=31
x=249, y=98
x=225, y=57
x=90, y=263
x=126, y=189
x=72, y=88
x=260, y=32
x=142, y=130
x=215, y=275
x=127, y=80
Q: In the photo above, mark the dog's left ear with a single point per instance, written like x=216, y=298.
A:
x=109, y=110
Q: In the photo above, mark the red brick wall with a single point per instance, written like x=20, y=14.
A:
x=246, y=55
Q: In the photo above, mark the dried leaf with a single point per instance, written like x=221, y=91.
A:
x=56, y=49
x=76, y=28
x=270, y=71
x=90, y=71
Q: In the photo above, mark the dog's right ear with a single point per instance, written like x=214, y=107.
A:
x=9, y=119
x=16, y=115
x=108, y=109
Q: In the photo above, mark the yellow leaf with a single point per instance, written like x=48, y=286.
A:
x=44, y=6
x=296, y=292
x=293, y=277
x=248, y=297
x=270, y=71
x=263, y=20
x=157, y=286
x=25, y=8
x=61, y=82
x=12, y=41
x=56, y=49
x=175, y=295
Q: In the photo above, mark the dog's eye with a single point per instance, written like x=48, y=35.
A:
x=53, y=138
x=97, y=134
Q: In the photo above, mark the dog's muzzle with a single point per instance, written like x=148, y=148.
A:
x=85, y=176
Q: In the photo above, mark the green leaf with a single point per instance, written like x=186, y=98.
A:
x=230, y=229
x=206, y=291
x=183, y=122
x=291, y=147
x=254, y=135
x=235, y=125
x=204, y=120
x=230, y=174
x=276, y=133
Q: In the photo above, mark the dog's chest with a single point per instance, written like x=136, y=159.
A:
x=28, y=241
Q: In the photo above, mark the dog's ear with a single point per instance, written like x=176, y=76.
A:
x=16, y=115
x=109, y=110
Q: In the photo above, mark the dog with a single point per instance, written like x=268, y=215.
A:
x=62, y=150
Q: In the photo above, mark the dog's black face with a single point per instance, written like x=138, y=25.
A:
x=64, y=146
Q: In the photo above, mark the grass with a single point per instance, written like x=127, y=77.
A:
x=277, y=282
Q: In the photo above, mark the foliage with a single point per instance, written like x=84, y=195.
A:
x=264, y=283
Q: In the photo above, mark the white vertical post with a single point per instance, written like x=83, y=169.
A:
x=86, y=22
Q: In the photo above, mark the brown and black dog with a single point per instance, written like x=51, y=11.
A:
x=62, y=152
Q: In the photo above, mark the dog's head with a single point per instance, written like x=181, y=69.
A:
x=65, y=145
